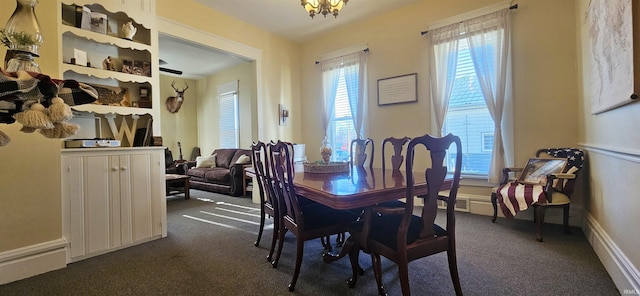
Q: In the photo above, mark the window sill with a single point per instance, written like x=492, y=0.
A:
x=475, y=181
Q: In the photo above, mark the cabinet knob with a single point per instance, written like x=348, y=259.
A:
x=114, y=168
x=122, y=168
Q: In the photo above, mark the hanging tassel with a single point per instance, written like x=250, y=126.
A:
x=60, y=130
x=59, y=111
x=35, y=117
x=4, y=139
x=27, y=130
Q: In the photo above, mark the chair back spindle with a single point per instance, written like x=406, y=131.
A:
x=358, y=152
x=435, y=176
x=396, y=157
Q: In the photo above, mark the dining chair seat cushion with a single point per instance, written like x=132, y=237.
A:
x=319, y=216
x=384, y=229
x=558, y=198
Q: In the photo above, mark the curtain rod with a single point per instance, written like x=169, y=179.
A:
x=365, y=50
x=514, y=6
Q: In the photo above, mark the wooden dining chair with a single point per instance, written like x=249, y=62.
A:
x=401, y=236
x=305, y=222
x=358, y=152
x=268, y=201
x=396, y=158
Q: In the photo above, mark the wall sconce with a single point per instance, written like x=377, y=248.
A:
x=283, y=114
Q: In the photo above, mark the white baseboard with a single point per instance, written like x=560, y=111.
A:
x=32, y=260
x=624, y=274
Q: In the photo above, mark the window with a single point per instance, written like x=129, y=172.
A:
x=468, y=117
x=228, y=125
x=470, y=87
x=345, y=104
x=341, y=130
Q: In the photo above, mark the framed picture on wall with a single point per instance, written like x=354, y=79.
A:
x=398, y=89
x=609, y=38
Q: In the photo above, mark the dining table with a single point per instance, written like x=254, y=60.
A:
x=359, y=188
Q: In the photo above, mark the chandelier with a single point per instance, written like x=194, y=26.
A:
x=323, y=6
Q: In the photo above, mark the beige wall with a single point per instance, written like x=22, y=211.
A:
x=180, y=126
x=30, y=202
x=544, y=85
x=613, y=147
x=208, y=106
x=543, y=63
x=280, y=61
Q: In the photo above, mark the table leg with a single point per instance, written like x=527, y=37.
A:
x=186, y=189
x=352, y=248
x=349, y=244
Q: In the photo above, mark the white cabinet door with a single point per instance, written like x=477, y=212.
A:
x=112, y=198
x=138, y=198
x=73, y=205
x=97, y=208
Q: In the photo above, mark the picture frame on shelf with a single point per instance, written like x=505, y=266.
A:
x=145, y=99
x=79, y=57
x=144, y=92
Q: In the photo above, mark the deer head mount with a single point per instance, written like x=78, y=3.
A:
x=174, y=103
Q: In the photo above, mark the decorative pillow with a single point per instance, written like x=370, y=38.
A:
x=206, y=161
x=243, y=159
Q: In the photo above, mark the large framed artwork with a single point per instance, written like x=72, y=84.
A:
x=611, y=69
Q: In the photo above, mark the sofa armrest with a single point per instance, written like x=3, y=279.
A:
x=237, y=174
x=237, y=170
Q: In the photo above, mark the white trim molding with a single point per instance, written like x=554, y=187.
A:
x=619, y=153
x=622, y=271
x=32, y=260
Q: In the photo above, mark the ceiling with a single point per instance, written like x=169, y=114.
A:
x=286, y=18
x=193, y=59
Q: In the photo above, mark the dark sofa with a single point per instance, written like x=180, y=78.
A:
x=226, y=177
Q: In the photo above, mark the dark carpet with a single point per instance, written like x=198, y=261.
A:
x=209, y=251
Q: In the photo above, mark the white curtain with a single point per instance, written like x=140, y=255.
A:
x=354, y=66
x=330, y=74
x=443, y=58
x=488, y=38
